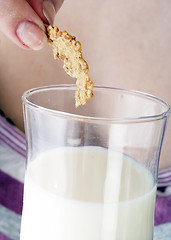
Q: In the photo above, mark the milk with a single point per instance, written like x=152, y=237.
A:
x=87, y=193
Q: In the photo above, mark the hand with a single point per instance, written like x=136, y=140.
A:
x=22, y=21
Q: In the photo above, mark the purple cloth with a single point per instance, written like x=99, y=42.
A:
x=163, y=210
x=11, y=193
x=3, y=237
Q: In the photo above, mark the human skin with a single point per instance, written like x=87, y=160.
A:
x=22, y=21
x=126, y=44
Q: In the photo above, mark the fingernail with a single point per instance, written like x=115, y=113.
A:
x=49, y=10
x=31, y=35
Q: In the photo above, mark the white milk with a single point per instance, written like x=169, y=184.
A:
x=87, y=193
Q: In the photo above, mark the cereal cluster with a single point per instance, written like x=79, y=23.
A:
x=66, y=47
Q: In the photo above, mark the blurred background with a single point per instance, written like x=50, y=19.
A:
x=127, y=44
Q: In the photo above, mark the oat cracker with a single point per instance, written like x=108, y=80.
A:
x=66, y=47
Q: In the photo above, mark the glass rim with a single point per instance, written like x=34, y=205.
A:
x=80, y=117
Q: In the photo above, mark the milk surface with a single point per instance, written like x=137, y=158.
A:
x=87, y=193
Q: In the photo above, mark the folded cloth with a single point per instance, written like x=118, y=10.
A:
x=12, y=169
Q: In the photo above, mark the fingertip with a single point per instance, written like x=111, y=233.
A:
x=49, y=11
x=50, y=8
x=58, y=4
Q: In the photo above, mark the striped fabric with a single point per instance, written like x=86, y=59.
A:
x=12, y=168
x=164, y=179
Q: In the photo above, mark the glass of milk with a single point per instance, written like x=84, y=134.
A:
x=91, y=171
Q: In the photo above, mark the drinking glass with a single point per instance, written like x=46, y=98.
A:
x=91, y=171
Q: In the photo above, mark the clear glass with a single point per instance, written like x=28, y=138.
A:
x=91, y=171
